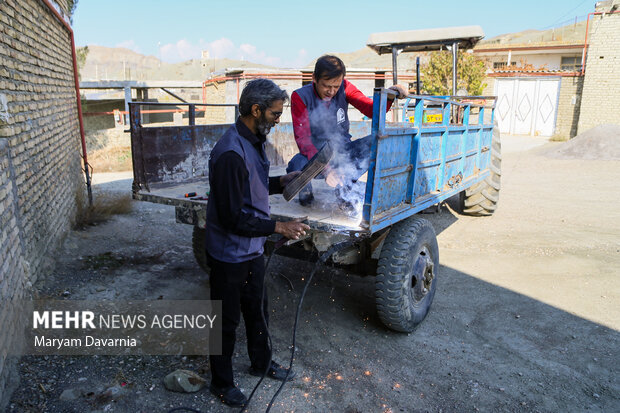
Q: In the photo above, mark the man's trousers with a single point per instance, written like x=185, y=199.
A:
x=239, y=286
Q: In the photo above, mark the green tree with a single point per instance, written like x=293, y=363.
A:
x=437, y=74
x=81, y=53
x=72, y=5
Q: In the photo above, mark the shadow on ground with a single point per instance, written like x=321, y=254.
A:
x=482, y=347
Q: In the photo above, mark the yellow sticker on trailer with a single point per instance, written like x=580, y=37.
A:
x=433, y=118
x=428, y=118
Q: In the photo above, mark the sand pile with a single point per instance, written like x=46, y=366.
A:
x=601, y=143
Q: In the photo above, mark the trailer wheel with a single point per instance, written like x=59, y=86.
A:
x=481, y=199
x=407, y=274
x=198, y=245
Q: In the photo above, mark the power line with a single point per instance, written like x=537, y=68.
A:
x=567, y=22
x=564, y=15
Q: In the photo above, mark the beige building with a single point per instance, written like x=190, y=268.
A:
x=600, y=99
x=557, y=82
x=226, y=87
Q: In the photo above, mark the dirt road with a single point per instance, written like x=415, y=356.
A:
x=526, y=316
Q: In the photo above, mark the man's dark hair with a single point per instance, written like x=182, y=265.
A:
x=261, y=92
x=329, y=67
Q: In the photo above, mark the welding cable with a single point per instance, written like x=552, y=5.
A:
x=277, y=245
x=322, y=259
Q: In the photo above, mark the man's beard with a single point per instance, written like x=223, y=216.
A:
x=264, y=126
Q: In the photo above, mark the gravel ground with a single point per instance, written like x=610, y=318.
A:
x=599, y=143
x=526, y=316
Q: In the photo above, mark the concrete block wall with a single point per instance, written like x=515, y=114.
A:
x=226, y=92
x=92, y=123
x=39, y=152
x=216, y=93
x=569, y=103
x=489, y=89
x=290, y=85
x=367, y=87
x=600, y=102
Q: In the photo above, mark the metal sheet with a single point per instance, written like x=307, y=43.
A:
x=425, y=39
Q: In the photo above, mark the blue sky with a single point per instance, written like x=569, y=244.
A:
x=292, y=33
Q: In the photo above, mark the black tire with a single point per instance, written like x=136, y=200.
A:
x=198, y=245
x=407, y=274
x=481, y=199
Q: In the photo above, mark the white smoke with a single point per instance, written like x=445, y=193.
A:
x=352, y=190
x=349, y=196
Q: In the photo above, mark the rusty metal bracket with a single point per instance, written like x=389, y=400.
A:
x=455, y=180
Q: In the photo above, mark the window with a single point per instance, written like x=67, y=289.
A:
x=572, y=63
x=502, y=65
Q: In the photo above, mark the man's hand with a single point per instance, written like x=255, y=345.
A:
x=402, y=91
x=286, y=179
x=333, y=179
x=292, y=229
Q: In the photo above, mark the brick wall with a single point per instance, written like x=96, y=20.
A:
x=39, y=152
x=600, y=100
x=569, y=103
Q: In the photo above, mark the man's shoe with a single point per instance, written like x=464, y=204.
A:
x=276, y=372
x=231, y=396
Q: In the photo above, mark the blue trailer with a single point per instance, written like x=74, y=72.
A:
x=417, y=165
x=414, y=165
x=440, y=147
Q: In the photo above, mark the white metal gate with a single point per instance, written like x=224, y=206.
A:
x=527, y=106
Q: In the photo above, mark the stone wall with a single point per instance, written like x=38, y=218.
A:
x=39, y=153
x=600, y=100
x=569, y=103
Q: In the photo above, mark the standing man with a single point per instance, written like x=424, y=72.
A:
x=319, y=112
x=237, y=226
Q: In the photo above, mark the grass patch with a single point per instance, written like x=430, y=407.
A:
x=110, y=260
x=558, y=138
x=104, y=206
x=111, y=159
x=105, y=260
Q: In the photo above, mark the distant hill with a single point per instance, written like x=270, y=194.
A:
x=367, y=58
x=107, y=63
x=572, y=33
